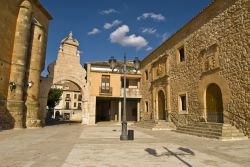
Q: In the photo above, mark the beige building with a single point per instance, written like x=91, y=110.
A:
x=202, y=72
x=106, y=92
x=23, y=34
x=70, y=105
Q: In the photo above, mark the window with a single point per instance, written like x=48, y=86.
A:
x=105, y=82
x=181, y=54
x=127, y=83
x=67, y=105
x=80, y=98
x=146, y=106
x=75, y=96
x=39, y=37
x=146, y=75
x=67, y=97
x=74, y=104
x=79, y=106
x=183, y=103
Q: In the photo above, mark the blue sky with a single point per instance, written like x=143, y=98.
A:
x=106, y=28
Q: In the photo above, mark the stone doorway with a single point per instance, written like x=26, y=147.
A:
x=214, y=104
x=161, y=106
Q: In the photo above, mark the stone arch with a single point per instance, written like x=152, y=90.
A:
x=67, y=67
x=46, y=84
x=224, y=88
x=160, y=104
x=73, y=79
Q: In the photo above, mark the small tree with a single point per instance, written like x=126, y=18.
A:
x=54, y=97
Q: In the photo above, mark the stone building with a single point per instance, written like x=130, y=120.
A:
x=23, y=40
x=70, y=104
x=202, y=72
x=107, y=89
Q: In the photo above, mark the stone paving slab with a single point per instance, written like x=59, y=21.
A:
x=75, y=145
x=130, y=153
x=140, y=155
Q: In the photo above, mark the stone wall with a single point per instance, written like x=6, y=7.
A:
x=16, y=33
x=216, y=51
x=8, y=17
x=146, y=105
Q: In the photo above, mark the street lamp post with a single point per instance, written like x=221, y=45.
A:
x=112, y=62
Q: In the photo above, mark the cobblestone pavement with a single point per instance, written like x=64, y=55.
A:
x=73, y=145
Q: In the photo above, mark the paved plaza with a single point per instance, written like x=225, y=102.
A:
x=73, y=145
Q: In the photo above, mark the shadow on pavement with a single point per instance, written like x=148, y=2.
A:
x=168, y=153
x=52, y=122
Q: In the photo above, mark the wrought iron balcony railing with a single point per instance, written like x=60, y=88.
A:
x=105, y=92
x=67, y=99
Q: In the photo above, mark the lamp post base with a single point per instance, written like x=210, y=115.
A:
x=124, y=135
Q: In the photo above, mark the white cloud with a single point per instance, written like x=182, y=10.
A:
x=164, y=36
x=149, y=30
x=108, y=11
x=113, y=24
x=155, y=17
x=94, y=31
x=148, y=48
x=120, y=36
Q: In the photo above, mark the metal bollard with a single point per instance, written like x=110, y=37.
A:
x=130, y=134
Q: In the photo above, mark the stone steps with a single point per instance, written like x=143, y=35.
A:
x=227, y=129
x=155, y=125
x=212, y=130
x=112, y=123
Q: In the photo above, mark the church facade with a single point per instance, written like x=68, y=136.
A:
x=202, y=72
x=23, y=34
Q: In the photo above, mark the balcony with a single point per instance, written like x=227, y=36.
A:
x=67, y=99
x=105, y=92
x=131, y=92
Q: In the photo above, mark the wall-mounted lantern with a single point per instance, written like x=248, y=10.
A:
x=30, y=84
x=12, y=86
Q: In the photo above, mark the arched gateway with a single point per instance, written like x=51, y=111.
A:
x=66, y=67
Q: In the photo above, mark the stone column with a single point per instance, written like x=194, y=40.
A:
x=156, y=109
x=15, y=101
x=120, y=110
x=86, y=114
x=168, y=101
x=36, y=59
x=138, y=110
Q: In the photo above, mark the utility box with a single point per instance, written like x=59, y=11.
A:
x=130, y=134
